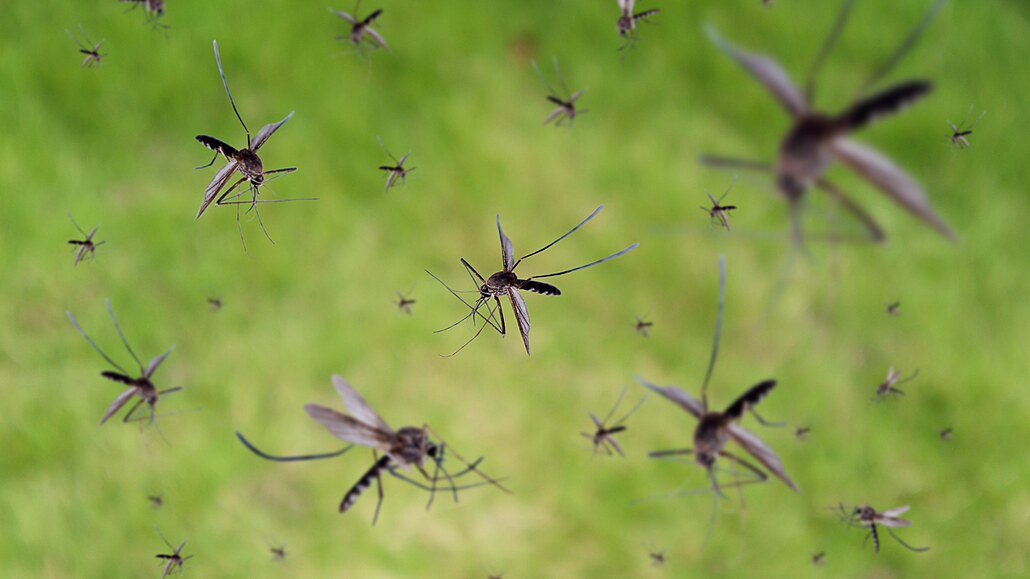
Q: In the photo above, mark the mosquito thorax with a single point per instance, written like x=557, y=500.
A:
x=250, y=166
x=411, y=445
x=625, y=24
x=499, y=282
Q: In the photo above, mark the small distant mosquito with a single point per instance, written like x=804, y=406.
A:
x=819, y=558
x=84, y=246
x=156, y=501
x=604, y=437
x=173, y=560
x=395, y=171
x=717, y=212
x=361, y=29
x=215, y=303
x=644, y=327
x=959, y=133
x=893, y=308
x=278, y=553
x=888, y=385
x=154, y=10
x=404, y=303
x=945, y=434
x=405, y=448
x=627, y=22
x=866, y=516
x=657, y=558
x=86, y=46
x=801, y=433
x=507, y=283
x=566, y=110
x=140, y=387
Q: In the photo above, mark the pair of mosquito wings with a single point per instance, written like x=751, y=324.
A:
x=225, y=173
x=747, y=440
x=517, y=303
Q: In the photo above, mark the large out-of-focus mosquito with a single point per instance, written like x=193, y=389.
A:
x=889, y=386
x=153, y=9
x=395, y=171
x=959, y=133
x=402, y=449
x=86, y=46
x=404, y=303
x=867, y=516
x=86, y=246
x=627, y=22
x=718, y=212
x=174, y=560
x=507, y=283
x=566, y=102
x=603, y=437
x=815, y=139
x=141, y=387
x=361, y=28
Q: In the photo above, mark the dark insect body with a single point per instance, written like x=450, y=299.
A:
x=404, y=303
x=718, y=212
x=888, y=386
x=960, y=132
x=627, y=22
x=395, y=171
x=867, y=516
x=172, y=561
x=603, y=437
x=87, y=47
x=86, y=246
x=361, y=28
x=566, y=102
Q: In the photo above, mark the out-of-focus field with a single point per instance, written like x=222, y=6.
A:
x=114, y=146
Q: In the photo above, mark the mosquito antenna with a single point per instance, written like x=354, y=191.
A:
x=162, y=535
x=904, y=47
x=581, y=224
x=593, y=263
x=266, y=456
x=472, y=465
x=73, y=219
x=455, y=294
x=904, y=544
x=831, y=41
x=93, y=344
x=718, y=331
x=225, y=83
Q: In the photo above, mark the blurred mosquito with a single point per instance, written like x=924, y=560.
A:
x=246, y=161
x=959, y=133
x=395, y=171
x=866, y=516
x=717, y=212
x=819, y=558
x=402, y=449
x=214, y=303
x=507, y=283
x=945, y=434
x=86, y=46
x=278, y=553
x=644, y=327
x=604, y=437
x=801, y=433
x=86, y=246
x=657, y=558
x=404, y=303
x=893, y=308
x=173, y=560
x=156, y=501
x=361, y=28
x=153, y=10
x=566, y=103
x=815, y=140
x=627, y=22
x=140, y=387
x=888, y=386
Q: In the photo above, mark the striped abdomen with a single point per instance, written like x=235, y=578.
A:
x=214, y=144
x=363, y=483
x=539, y=288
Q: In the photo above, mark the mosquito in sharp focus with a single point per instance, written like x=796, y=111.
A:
x=866, y=516
x=717, y=212
x=395, y=171
x=815, y=139
x=85, y=246
x=627, y=22
x=402, y=449
x=603, y=437
x=959, y=133
x=507, y=283
x=566, y=102
x=86, y=46
x=141, y=387
x=173, y=560
x=888, y=386
x=245, y=160
x=361, y=28
x=404, y=303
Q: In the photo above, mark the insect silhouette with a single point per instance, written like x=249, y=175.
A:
x=815, y=139
x=894, y=309
x=245, y=160
x=959, y=133
x=402, y=449
x=627, y=22
x=507, y=283
x=174, y=560
x=140, y=387
x=819, y=558
x=657, y=558
x=404, y=303
x=156, y=501
x=720, y=213
x=278, y=553
x=86, y=46
x=945, y=434
x=643, y=327
x=801, y=433
x=86, y=246
x=603, y=437
x=361, y=28
x=867, y=516
x=889, y=386
x=153, y=9
x=566, y=102
x=214, y=303
x=395, y=171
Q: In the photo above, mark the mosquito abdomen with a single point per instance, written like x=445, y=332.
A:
x=363, y=483
x=540, y=288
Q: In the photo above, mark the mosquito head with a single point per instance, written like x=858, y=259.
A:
x=625, y=24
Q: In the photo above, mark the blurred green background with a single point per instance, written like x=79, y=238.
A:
x=114, y=146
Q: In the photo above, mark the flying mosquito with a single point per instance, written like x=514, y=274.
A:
x=819, y=558
x=173, y=560
x=627, y=22
x=140, y=387
x=959, y=133
x=361, y=29
x=717, y=212
x=214, y=303
x=153, y=9
x=566, y=103
x=404, y=303
x=657, y=558
x=402, y=449
x=888, y=386
x=395, y=171
x=945, y=434
x=604, y=437
x=643, y=327
x=86, y=246
x=507, y=283
x=245, y=160
x=156, y=501
x=278, y=553
x=866, y=516
x=815, y=139
x=801, y=433
x=86, y=46
x=894, y=308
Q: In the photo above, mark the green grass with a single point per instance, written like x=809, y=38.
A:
x=115, y=146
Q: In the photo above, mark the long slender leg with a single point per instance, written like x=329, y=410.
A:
x=379, y=487
x=129, y=414
x=876, y=234
x=266, y=456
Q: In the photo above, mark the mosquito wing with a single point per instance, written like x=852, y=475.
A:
x=152, y=367
x=677, y=396
x=216, y=185
x=895, y=511
x=507, y=252
x=376, y=38
x=267, y=130
x=554, y=114
x=626, y=5
x=348, y=429
x=357, y=406
x=762, y=453
x=344, y=15
x=117, y=404
x=893, y=521
x=521, y=314
x=767, y=71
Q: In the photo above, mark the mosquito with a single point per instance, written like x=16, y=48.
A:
x=140, y=387
x=718, y=212
x=156, y=501
x=888, y=386
x=361, y=29
x=85, y=246
x=866, y=516
x=404, y=303
x=893, y=308
x=627, y=22
x=245, y=160
x=959, y=133
x=801, y=433
x=945, y=434
x=565, y=102
x=278, y=553
x=173, y=560
x=643, y=327
x=214, y=303
x=86, y=46
x=604, y=437
x=657, y=558
x=815, y=139
x=507, y=283
x=395, y=171
x=819, y=558
x=402, y=449
x=153, y=9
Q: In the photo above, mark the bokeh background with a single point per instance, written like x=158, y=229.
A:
x=114, y=146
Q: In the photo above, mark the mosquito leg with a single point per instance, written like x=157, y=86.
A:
x=266, y=456
x=128, y=415
x=213, y=159
x=876, y=234
x=260, y=222
x=906, y=545
x=765, y=422
x=664, y=453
